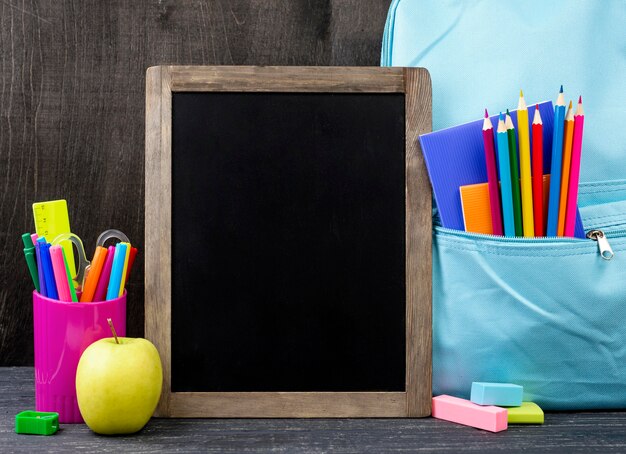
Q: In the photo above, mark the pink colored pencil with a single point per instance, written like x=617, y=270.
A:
x=537, y=166
x=492, y=175
x=60, y=276
x=103, y=281
x=577, y=147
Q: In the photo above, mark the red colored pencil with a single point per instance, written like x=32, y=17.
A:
x=540, y=226
x=492, y=175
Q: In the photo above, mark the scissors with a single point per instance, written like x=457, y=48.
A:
x=82, y=267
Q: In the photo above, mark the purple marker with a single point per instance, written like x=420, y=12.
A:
x=103, y=281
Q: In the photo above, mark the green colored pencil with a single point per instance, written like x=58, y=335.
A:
x=515, y=183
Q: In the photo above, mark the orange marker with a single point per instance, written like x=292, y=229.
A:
x=94, y=274
x=568, y=137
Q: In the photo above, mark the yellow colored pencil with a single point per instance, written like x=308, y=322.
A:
x=568, y=139
x=524, y=161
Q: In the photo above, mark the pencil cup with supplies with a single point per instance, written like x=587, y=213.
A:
x=73, y=301
x=63, y=330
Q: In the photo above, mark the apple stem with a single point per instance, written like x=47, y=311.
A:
x=113, y=330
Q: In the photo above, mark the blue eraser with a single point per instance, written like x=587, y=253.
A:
x=503, y=394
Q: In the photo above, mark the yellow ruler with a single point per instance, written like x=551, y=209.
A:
x=52, y=219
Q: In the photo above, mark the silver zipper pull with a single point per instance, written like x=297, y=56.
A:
x=603, y=244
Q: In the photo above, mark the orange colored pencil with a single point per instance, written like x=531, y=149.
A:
x=94, y=274
x=568, y=137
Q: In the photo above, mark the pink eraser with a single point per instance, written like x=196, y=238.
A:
x=468, y=413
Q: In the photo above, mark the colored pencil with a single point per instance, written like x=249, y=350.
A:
x=492, y=175
x=515, y=185
x=524, y=164
x=568, y=136
x=103, y=280
x=537, y=165
x=508, y=219
x=577, y=147
x=555, y=170
x=60, y=275
x=97, y=263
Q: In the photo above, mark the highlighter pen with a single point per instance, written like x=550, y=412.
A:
x=42, y=279
x=103, y=281
x=97, y=263
x=48, y=272
x=116, y=271
x=70, y=282
x=124, y=269
x=60, y=275
x=502, y=141
x=131, y=260
x=555, y=168
x=31, y=259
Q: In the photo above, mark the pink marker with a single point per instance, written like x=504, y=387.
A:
x=60, y=275
x=34, y=237
x=461, y=411
x=103, y=281
x=574, y=176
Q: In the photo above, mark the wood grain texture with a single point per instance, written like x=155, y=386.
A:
x=416, y=83
x=603, y=432
x=293, y=404
x=418, y=244
x=72, y=100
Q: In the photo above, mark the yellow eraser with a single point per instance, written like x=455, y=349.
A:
x=528, y=413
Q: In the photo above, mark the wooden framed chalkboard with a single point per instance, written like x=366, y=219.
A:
x=288, y=240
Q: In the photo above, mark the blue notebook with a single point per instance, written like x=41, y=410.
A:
x=455, y=157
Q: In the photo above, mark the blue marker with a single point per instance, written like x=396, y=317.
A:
x=506, y=186
x=115, y=280
x=48, y=272
x=555, y=170
x=42, y=279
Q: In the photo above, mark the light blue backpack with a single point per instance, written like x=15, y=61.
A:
x=549, y=314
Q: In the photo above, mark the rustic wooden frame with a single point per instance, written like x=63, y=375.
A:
x=415, y=83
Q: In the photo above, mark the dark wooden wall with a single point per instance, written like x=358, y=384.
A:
x=72, y=107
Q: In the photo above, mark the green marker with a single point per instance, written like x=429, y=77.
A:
x=515, y=182
x=36, y=422
x=31, y=259
x=69, y=278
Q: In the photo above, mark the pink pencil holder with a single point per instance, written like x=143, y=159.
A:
x=63, y=330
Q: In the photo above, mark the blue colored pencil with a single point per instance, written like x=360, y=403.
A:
x=555, y=168
x=506, y=186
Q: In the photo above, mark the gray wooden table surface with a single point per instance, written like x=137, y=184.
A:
x=563, y=432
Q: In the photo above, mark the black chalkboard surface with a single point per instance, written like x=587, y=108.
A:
x=288, y=242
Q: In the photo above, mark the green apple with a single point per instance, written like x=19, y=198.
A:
x=118, y=385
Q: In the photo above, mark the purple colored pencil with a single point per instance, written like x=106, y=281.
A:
x=492, y=175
